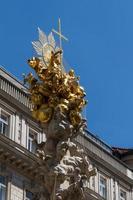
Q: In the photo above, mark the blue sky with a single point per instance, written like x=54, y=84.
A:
x=100, y=49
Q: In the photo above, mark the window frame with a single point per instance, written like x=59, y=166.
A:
x=106, y=188
x=124, y=191
x=7, y=123
x=4, y=185
x=33, y=133
x=27, y=190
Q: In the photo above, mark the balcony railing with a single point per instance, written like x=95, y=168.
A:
x=14, y=91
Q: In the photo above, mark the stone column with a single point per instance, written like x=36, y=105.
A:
x=12, y=127
x=97, y=183
x=17, y=128
x=23, y=138
x=111, y=197
x=116, y=190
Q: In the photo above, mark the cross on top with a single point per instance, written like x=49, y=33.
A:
x=59, y=33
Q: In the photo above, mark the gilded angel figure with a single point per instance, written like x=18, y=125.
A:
x=45, y=47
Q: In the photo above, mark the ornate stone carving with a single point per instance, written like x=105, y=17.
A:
x=58, y=100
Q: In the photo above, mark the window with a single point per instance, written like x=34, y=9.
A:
x=29, y=195
x=123, y=195
x=4, y=122
x=103, y=187
x=32, y=141
x=2, y=188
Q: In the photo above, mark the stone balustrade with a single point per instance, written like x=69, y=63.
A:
x=15, y=89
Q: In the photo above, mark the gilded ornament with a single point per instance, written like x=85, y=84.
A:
x=75, y=117
x=54, y=87
x=44, y=113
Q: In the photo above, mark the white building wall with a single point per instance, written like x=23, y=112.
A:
x=24, y=132
x=16, y=187
x=116, y=190
x=17, y=128
x=12, y=127
x=112, y=189
x=109, y=195
x=131, y=193
x=16, y=193
x=97, y=182
x=27, y=134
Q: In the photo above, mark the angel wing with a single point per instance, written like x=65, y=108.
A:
x=51, y=40
x=44, y=47
x=43, y=42
x=42, y=37
x=38, y=47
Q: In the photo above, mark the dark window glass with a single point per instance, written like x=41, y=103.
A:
x=2, y=188
x=29, y=195
x=32, y=144
x=4, y=121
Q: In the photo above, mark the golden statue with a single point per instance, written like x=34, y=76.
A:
x=53, y=87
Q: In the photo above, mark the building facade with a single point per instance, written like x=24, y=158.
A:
x=20, y=167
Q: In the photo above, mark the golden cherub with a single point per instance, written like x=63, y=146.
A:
x=54, y=87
